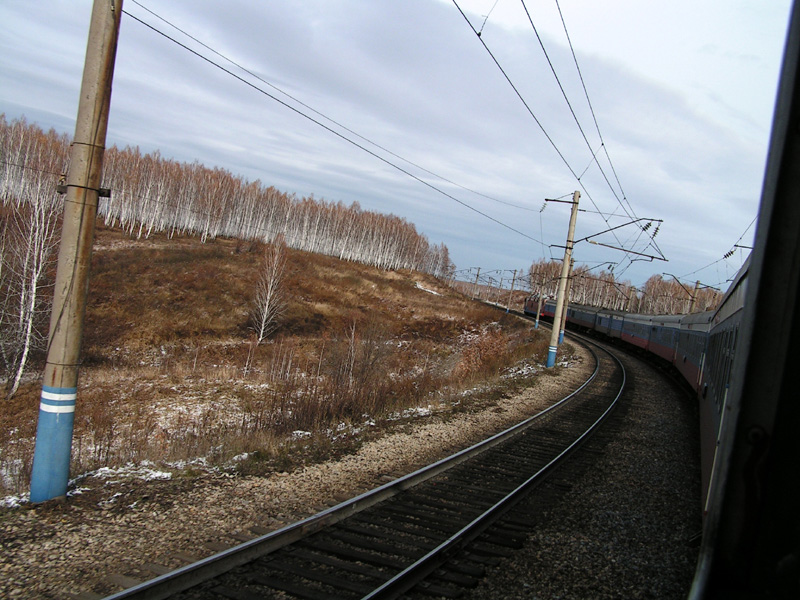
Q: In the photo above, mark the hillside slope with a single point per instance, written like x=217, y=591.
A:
x=171, y=370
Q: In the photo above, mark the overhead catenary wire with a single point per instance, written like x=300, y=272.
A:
x=324, y=116
x=328, y=128
x=727, y=254
x=533, y=115
x=652, y=242
x=631, y=214
x=591, y=108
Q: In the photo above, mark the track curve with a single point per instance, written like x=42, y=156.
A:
x=431, y=528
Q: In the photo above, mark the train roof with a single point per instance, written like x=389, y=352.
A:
x=671, y=320
x=698, y=321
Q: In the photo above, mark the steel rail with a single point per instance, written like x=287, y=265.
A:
x=183, y=578
x=418, y=571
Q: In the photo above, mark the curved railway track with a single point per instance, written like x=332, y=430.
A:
x=431, y=532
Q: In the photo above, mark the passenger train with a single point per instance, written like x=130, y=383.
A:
x=742, y=360
x=700, y=346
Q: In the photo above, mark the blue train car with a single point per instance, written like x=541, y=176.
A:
x=582, y=316
x=664, y=331
x=609, y=322
x=691, y=349
x=636, y=330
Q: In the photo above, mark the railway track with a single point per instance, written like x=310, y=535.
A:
x=432, y=532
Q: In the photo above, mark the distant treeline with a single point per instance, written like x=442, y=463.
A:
x=150, y=193
x=657, y=296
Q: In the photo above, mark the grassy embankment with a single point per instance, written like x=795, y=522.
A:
x=171, y=373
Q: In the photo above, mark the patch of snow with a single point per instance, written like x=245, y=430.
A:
x=14, y=501
x=241, y=457
x=129, y=471
x=110, y=500
x=417, y=411
x=424, y=289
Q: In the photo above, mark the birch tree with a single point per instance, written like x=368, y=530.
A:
x=270, y=299
x=29, y=238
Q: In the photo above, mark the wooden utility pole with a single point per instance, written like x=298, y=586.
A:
x=562, y=283
x=59, y=389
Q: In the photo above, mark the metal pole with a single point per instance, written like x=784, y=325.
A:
x=59, y=389
x=562, y=282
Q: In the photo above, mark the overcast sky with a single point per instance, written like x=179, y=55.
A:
x=682, y=91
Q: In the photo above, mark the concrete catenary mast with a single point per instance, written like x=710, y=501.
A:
x=556, y=335
x=59, y=388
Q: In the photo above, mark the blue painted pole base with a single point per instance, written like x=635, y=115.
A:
x=561, y=337
x=50, y=474
x=551, y=356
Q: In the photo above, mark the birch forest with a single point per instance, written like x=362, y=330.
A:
x=153, y=194
x=658, y=296
x=150, y=194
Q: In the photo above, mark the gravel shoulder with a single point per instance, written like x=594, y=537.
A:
x=117, y=533
x=624, y=528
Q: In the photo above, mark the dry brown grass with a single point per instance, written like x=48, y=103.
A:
x=170, y=371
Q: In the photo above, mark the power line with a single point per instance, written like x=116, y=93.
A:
x=597, y=128
x=632, y=213
x=327, y=118
x=727, y=254
x=327, y=128
x=589, y=102
x=535, y=118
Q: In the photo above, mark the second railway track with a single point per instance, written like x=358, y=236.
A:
x=431, y=532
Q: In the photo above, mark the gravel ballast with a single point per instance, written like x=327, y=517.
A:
x=625, y=528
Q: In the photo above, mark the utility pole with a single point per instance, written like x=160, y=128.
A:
x=694, y=297
x=566, y=302
x=562, y=282
x=475, y=287
x=511, y=293
x=539, y=307
x=60, y=383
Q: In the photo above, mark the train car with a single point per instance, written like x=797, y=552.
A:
x=636, y=330
x=549, y=309
x=531, y=305
x=691, y=347
x=609, y=322
x=582, y=316
x=664, y=331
